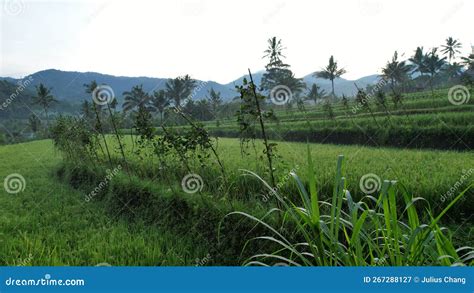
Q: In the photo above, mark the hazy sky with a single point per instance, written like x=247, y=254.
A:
x=219, y=39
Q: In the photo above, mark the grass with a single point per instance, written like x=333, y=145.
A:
x=49, y=223
x=369, y=232
x=413, y=103
x=420, y=122
x=425, y=173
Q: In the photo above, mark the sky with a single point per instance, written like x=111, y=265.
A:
x=219, y=39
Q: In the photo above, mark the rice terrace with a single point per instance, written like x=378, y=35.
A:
x=270, y=169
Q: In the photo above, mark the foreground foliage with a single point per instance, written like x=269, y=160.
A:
x=368, y=232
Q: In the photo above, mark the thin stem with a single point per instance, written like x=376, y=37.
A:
x=262, y=126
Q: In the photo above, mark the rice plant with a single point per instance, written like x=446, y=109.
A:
x=342, y=232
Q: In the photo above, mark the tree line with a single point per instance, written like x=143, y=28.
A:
x=425, y=69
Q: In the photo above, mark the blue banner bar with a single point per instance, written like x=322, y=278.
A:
x=237, y=279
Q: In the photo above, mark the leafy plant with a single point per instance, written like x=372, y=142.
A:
x=331, y=72
x=251, y=110
x=34, y=122
x=342, y=232
x=90, y=89
x=178, y=89
x=44, y=98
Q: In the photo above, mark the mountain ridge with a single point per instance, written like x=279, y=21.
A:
x=68, y=85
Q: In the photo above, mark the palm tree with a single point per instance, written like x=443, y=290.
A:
x=315, y=94
x=180, y=88
x=90, y=89
x=274, y=50
x=160, y=102
x=469, y=61
x=135, y=98
x=467, y=76
x=44, y=98
x=418, y=61
x=278, y=74
x=451, y=48
x=433, y=65
x=86, y=108
x=345, y=102
x=34, y=122
x=397, y=72
x=454, y=70
x=215, y=101
x=331, y=72
x=97, y=107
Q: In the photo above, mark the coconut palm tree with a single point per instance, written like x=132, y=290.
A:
x=44, y=98
x=433, y=65
x=215, y=100
x=467, y=76
x=395, y=71
x=418, y=61
x=135, y=98
x=454, y=70
x=90, y=89
x=274, y=50
x=469, y=61
x=316, y=94
x=331, y=72
x=278, y=76
x=160, y=102
x=34, y=122
x=451, y=48
x=180, y=88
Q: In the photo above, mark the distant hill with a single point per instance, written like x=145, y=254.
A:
x=16, y=100
x=257, y=78
x=341, y=85
x=68, y=85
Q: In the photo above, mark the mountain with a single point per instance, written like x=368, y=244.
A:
x=257, y=78
x=68, y=86
x=14, y=99
x=341, y=85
